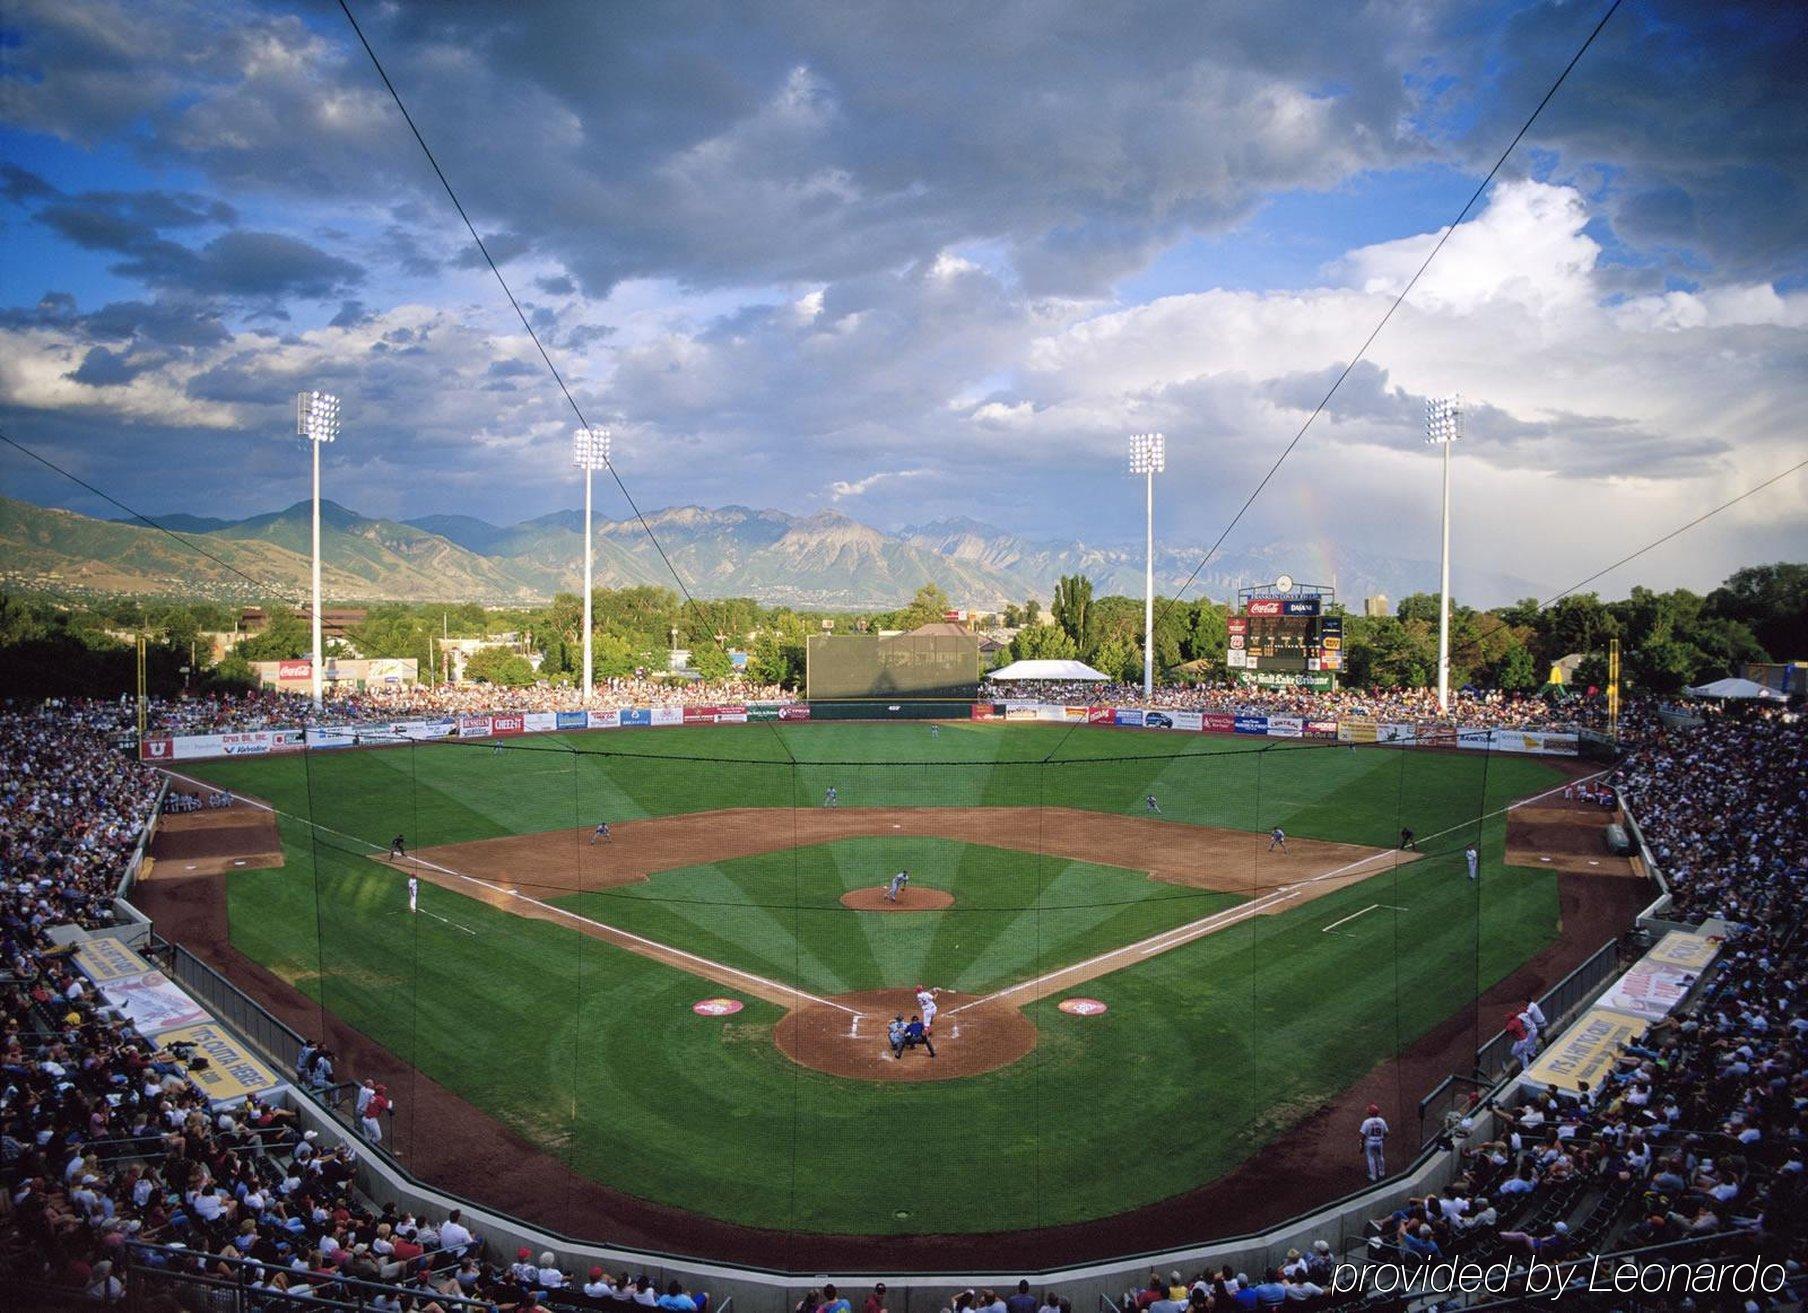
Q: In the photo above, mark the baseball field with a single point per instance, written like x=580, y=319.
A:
x=693, y=1011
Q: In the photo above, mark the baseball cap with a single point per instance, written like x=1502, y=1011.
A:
x=1374, y=1110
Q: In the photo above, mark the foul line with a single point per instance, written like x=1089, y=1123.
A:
x=1186, y=934
x=608, y=932
x=1044, y=984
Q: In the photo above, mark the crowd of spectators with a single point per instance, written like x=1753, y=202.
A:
x=1469, y=707
x=117, y=1170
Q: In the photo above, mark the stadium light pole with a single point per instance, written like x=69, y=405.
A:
x=316, y=420
x=1443, y=426
x=1148, y=457
x=590, y=453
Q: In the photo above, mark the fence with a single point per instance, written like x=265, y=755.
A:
x=1494, y=1060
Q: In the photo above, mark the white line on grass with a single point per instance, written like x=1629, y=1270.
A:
x=1351, y=917
x=561, y=914
x=1186, y=934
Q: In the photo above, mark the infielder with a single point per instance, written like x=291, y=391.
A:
x=831, y=797
x=414, y=893
x=1373, y=1133
x=926, y=1002
x=1407, y=842
x=896, y=886
x=397, y=848
x=601, y=832
x=1472, y=859
x=1151, y=806
x=1277, y=838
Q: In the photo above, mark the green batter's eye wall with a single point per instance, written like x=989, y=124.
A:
x=1156, y=1022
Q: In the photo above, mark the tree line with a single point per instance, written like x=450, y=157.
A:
x=53, y=647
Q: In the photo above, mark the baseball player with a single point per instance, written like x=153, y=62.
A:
x=917, y=1032
x=926, y=1001
x=895, y=1034
x=1151, y=806
x=414, y=893
x=831, y=797
x=1277, y=838
x=397, y=849
x=896, y=886
x=1408, y=844
x=1533, y=1016
x=496, y=748
x=935, y=731
x=1373, y=1133
x=1472, y=859
x=601, y=832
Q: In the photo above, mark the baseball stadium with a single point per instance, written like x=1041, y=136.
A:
x=479, y=906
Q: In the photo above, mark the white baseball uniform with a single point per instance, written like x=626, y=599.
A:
x=926, y=1005
x=1374, y=1146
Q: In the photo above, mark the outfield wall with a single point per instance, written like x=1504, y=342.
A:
x=508, y=724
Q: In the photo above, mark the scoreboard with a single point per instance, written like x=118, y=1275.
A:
x=1285, y=635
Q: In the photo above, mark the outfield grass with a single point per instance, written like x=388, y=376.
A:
x=1208, y=1051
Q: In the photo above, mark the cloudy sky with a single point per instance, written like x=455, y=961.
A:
x=912, y=261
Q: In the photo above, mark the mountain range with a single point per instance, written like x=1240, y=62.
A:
x=820, y=560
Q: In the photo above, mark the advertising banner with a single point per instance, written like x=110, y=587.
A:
x=158, y=748
x=1217, y=722
x=1285, y=727
x=572, y=719
x=1251, y=724
x=699, y=715
x=105, y=960
x=628, y=717
x=1475, y=738
x=1127, y=716
x=762, y=711
x=1431, y=734
x=473, y=727
x=1650, y=989
x=1101, y=715
x=288, y=740
x=1321, y=729
x=1193, y=720
x=1236, y=658
x=511, y=722
x=295, y=669
x=1264, y=606
x=1586, y=1051
x=1300, y=606
x=540, y=722
x=1020, y=711
x=1158, y=720
x=731, y=715
x=668, y=715
x=1685, y=949
x=796, y=711
x=1078, y=714
x=322, y=737
x=610, y=719
x=1557, y=745
x=1357, y=729
x=231, y=1072
x=983, y=711
x=1050, y=711
x=1386, y=732
x=153, y=1003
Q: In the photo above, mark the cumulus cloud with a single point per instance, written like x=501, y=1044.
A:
x=841, y=488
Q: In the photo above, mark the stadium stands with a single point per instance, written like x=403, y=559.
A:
x=121, y=1181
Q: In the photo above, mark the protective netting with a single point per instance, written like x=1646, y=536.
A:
x=676, y=1033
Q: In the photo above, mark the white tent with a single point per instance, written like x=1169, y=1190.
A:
x=1736, y=688
x=1065, y=671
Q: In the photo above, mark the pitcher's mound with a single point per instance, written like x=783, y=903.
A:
x=853, y=1043
x=914, y=898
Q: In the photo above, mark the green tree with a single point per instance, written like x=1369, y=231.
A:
x=612, y=657
x=711, y=661
x=1071, y=608
x=1210, y=638
x=1043, y=643
x=1772, y=602
x=501, y=666
x=928, y=607
x=1032, y=612
x=1013, y=615
x=1517, y=671
x=1119, y=657
x=284, y=638
x=1419, y=606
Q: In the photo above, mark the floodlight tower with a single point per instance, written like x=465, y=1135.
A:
x=1443, y=426
x=317, y=421
x=590, y=453
x=1148, y=457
